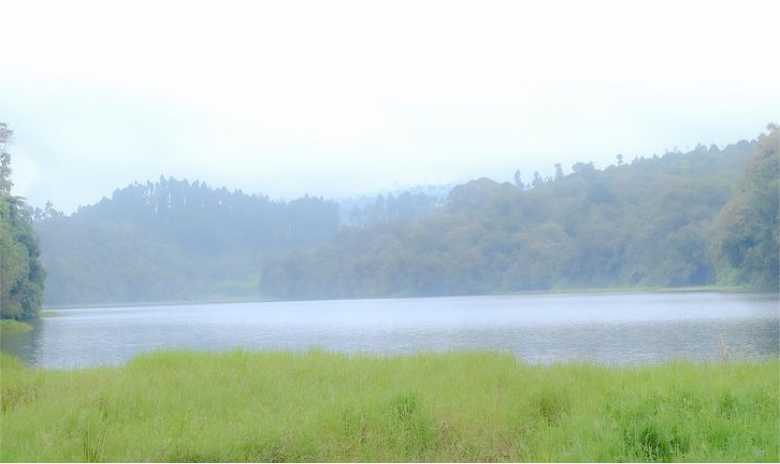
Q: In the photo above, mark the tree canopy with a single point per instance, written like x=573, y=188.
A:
x=748, y=232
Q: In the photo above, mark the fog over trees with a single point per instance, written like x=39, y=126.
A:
x=704, y=217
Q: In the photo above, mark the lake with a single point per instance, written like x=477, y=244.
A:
x=606, y=328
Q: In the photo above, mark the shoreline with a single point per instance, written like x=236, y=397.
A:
x=552, y=292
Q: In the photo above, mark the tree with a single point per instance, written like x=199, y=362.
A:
x=538, y=181
x=21, y=274
x=5, y=160
x=558, y=171
x=519, y=180
x=583, y=168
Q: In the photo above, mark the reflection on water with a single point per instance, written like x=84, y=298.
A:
x=625, y=328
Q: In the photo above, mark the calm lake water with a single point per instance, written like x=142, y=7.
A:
x=608, y=328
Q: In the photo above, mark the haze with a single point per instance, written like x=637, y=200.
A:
x=343, y=98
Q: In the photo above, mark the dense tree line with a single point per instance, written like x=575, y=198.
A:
x=21, y=274
x=650, y=222
x=173, y=239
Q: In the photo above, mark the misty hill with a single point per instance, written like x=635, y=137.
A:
x=173, y=240
x=651, y=222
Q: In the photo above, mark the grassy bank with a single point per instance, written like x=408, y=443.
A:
x=13, y=326
x=318, y=407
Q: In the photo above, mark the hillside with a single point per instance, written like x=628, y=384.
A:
x=650, y=222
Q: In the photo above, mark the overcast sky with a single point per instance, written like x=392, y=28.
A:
x=334, y=98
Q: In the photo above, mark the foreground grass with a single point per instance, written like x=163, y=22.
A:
x=13, y=326
x=239, y=406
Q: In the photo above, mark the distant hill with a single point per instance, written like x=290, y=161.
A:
x=173, y=240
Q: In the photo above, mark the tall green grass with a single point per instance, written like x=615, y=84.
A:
x=240, y=406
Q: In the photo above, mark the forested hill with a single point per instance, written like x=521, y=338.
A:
x=651, y=222
x=702, y=217
x=173, y=240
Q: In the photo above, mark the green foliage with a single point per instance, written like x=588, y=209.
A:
x=21, y=274
x=316, y=406
x=748, y=229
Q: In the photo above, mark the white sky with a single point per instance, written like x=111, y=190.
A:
x=334, y=98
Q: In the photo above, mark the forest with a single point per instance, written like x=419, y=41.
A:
x=697, y=218
x=704, y=217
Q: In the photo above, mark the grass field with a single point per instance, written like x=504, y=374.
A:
x=12, y=326
x=239, y=406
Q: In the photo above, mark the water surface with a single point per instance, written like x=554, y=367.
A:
x=607, y=328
